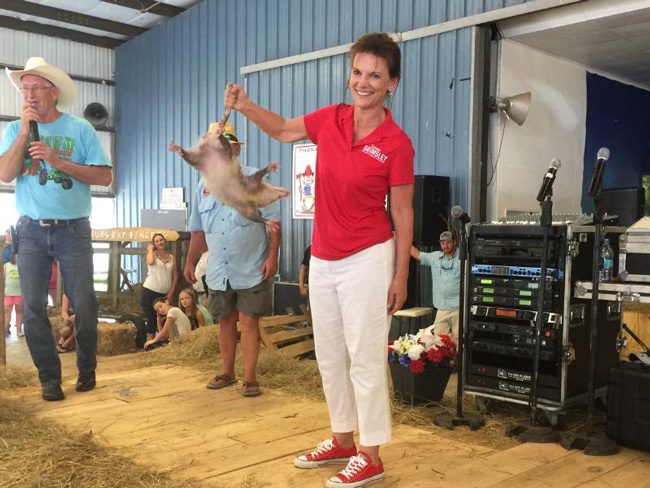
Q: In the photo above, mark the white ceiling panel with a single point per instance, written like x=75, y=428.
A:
x=605, y=35
x=67, y=18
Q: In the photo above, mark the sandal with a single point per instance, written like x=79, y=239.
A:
x=220, y=381
x=251, y=389
x=60, y=349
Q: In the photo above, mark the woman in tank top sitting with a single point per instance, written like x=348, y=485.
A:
x=160, y=282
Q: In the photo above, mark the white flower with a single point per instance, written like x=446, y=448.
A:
x=427, y=339
x=415, y=351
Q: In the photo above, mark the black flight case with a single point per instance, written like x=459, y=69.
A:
x=501, y=308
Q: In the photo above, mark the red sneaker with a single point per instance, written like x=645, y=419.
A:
x=359, y=472
x=326, y=452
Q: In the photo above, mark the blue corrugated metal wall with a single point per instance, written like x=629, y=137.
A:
x=170, y=84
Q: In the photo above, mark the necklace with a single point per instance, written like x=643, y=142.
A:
x=164, y=258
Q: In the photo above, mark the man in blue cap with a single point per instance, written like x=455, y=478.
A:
x=445, y=282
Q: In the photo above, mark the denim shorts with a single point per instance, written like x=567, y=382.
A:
x=255, y=301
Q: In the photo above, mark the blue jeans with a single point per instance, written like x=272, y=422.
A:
x=71, y=245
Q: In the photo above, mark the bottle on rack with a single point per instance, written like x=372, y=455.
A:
x=606, y=268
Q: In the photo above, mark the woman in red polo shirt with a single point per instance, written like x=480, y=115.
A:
x=359, y=268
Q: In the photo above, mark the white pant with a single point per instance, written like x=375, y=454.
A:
x=348, y=304
x=446, y=322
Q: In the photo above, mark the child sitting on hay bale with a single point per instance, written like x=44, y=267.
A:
x=198, y=314
x=171, y=323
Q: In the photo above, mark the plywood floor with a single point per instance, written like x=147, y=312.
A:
x=165, y=418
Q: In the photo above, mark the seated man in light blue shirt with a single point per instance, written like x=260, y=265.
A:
x=445, y=278
x=242, y=259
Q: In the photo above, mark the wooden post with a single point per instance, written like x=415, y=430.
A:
x=3, y=342
x=113, y=287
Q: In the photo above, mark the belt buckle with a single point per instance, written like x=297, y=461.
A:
x=50, y=222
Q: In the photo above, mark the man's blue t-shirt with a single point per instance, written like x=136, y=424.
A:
x=45, y=193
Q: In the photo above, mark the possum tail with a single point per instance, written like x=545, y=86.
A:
x=254, y=216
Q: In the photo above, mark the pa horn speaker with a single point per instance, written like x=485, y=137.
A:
x=96, y=114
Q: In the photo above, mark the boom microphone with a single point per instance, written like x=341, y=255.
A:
x=457, y=213
x=549, y=178
x=599, y=171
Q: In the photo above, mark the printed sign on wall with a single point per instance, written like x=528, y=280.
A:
x=304, y=180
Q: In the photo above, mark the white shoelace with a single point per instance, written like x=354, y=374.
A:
x=356, y=464
x=323, y=447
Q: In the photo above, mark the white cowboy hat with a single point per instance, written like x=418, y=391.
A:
x=56, y=76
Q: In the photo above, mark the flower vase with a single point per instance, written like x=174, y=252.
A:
x=417, y=389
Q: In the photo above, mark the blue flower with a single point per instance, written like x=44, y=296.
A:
x=404, y=360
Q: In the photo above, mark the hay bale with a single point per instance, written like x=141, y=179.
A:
x=56, y=321
x=114, y=339
x=13, y=377
x=199, y=349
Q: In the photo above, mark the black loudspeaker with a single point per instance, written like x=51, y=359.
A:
x=96, y=114
x=430, y=209
x=286, y=295
x=627, y=203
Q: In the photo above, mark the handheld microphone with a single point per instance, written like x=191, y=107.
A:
x=599, y=171
x=33, y=129
x=457, y=213
x=549, y=178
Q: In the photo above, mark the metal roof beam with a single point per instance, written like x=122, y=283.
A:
x=69, y=17
x=49, y=30
x=149, y=6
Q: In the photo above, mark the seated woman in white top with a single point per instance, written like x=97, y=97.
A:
x=160, y=282
x=175, y=323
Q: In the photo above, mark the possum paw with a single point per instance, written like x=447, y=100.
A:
x=173, y=147
x=273, y=166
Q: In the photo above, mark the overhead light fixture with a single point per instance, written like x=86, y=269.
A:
x=515, y=107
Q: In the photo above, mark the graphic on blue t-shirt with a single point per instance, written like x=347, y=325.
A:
x=63, y=147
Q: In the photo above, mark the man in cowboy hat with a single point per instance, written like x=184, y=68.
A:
x=242, y=259
x=445, y=282
x=53, y=175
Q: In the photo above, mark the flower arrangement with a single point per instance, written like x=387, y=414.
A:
x=426, y=349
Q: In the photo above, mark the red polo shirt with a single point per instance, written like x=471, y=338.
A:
x=353, y=179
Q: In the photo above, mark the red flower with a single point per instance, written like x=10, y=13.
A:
x=436, y=355
x=417, y=366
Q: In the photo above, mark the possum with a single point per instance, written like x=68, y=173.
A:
x=223, y=177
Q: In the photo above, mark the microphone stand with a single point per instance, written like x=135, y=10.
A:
x=472, y=420
x=593, y=323
x=589, y=444
x=533, y=433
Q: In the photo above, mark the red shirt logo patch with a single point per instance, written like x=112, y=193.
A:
x=375, y=152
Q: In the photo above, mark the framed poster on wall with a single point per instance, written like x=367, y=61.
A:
x=304, y=180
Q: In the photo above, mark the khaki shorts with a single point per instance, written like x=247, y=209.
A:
x=446, y=322
x=255, y=301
